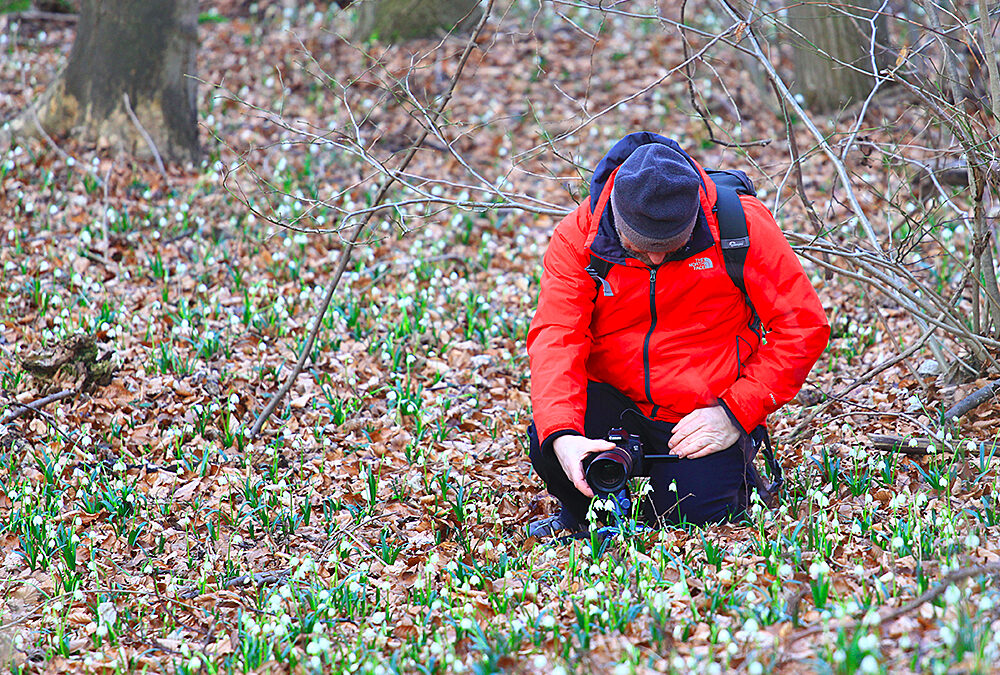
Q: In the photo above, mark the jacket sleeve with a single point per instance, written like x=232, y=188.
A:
x=797, y=328
x=559, y=339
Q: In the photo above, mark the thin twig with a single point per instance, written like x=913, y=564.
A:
x=259, y=579
x=355, y=235
x=880, y=368
x=146, y=137
x=69, y=159
x=105, y=239
x=990, y=56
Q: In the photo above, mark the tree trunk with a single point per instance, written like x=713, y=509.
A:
x=142, y=49
x=393, y=20
x=829, y=39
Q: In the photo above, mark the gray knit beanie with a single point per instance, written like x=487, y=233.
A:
x=655, y=198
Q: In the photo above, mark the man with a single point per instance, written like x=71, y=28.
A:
x=664, y=343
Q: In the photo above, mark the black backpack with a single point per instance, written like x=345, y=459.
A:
x=733, y=235
x=734, y=239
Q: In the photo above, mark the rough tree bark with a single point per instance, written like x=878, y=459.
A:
x=829, y=39
x=407, y=19
x=127, y=53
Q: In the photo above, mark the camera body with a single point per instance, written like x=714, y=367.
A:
x=607, y=472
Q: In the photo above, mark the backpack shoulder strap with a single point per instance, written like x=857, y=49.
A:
x=734, y=238
x=733, y=235
x=599, y=267
x=598, y=270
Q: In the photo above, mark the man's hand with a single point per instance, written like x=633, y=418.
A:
x=702, y=432
x=570, y=451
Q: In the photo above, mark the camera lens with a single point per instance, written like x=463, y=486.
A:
x=608, y=472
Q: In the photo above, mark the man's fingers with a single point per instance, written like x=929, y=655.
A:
x=688, y=425
x=682, y=439
x=683, y=449
x=578, y=479
x=571, y=451
x=693, y=447
x=704, y=451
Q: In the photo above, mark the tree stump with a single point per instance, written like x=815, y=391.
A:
x=140, y=49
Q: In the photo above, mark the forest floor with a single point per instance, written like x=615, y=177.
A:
x=377, y=524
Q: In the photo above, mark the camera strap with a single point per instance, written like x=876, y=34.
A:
x=760, y=440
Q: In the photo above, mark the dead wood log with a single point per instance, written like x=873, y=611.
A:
x=973, y=400
x=35, y=406
x=906, y=446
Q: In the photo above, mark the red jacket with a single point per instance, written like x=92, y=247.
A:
x=676, y=337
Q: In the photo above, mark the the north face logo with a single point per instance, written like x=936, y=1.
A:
x=701, y=264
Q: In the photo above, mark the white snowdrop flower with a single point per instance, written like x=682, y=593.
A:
x=755, y=668
x=872, y=618
x=868, y=643
x=947, y=635
x=972, y=541
x=869, y=664
x=952, y=594
x=107, y=613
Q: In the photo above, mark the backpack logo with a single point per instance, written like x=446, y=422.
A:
x=701, y=264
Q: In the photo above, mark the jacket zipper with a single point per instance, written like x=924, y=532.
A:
x=649, y=336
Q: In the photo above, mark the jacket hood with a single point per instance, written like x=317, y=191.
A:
x=606, y=243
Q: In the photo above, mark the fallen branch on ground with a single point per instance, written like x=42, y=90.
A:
x=907, y=446
x=35, y=406
x=973, y=400
x=929, y=595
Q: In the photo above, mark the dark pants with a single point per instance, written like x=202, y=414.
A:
x=708, y=489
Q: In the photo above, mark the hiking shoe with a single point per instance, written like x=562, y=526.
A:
x=559, y=525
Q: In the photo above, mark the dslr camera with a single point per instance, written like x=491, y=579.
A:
x=607, y=472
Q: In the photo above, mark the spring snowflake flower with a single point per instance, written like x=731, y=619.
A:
x=869, y=664
x=107, y=613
